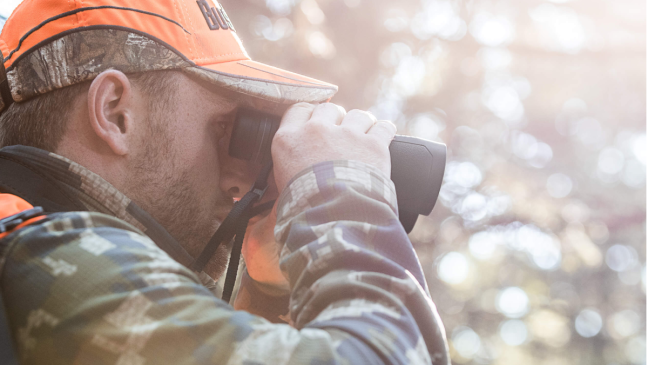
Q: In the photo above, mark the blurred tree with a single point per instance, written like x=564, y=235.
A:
x=535, y=253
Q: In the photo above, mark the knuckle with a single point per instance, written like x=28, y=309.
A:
x=388, y=127
x=304, y=105
x=330, y=105
x=350, y=132
x=362, y=113
x=317, y=127
x=281, y=137
x=299, y=108
x=388, y=123
x=335, y=108
x=358, y=111
x=298, y=111
x=357, y=114
x=348, y=128
x=327, y=106
x=376, y=143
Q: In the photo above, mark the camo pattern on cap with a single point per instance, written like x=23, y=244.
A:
x=89, y=288
x=270, y=91
x=81, y=56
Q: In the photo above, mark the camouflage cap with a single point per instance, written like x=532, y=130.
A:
x=51, y=44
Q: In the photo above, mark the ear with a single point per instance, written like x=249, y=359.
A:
x=110, y=107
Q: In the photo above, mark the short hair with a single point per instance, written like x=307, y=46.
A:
x=41, y=122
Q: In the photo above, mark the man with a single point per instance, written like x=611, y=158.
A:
x=118, y=122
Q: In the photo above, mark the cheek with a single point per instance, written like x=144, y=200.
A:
x=197, y=156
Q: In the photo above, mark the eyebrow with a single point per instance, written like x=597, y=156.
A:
x=227, y=110
x=223, y=101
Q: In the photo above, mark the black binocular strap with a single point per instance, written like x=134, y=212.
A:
x=235, y=225
x=235, y=256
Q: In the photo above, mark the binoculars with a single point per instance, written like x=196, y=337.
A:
x=417, y=165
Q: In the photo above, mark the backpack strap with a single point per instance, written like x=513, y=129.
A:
x=15, y=213
x=7, y=352
x=5, y=91
x=25, y=181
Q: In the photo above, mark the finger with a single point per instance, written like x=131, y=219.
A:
x=297, y=114
x=359, y=120
x=328, y=113
x=384, y=130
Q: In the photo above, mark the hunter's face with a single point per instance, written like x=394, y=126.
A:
x=186, y=179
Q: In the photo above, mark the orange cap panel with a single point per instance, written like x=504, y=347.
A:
x=214, y=46
x=180, y=24
x=28, y=15
x=196, y=41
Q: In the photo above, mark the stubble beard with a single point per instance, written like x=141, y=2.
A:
x=182, y=216
x=165, y=191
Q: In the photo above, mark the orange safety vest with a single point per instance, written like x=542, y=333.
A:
x=16, y=213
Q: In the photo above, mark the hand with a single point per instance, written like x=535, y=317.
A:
x=310, y=134
x=261, y=252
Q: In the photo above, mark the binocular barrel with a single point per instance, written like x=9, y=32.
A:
x=417, y=165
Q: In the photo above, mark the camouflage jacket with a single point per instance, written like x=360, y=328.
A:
x=94, y=286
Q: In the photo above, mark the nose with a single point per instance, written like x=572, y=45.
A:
x=237, y=176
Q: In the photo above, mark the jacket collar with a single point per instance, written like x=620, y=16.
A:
x=58, y=184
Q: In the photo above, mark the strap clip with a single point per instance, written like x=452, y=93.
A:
x=259, y=191
x=9, y=223
x=261, y=184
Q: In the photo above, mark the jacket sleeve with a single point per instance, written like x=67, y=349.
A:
x=88, y=288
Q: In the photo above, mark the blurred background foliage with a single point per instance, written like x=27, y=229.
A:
x=535, y=251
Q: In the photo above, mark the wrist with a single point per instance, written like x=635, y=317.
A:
x=262, y=300
x=269, y=289
x=322, y=182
